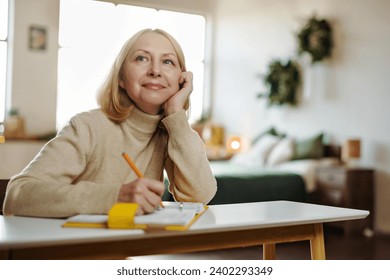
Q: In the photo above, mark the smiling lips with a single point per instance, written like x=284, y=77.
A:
x=153, y=86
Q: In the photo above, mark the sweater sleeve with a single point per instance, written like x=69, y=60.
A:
x=49, y=186
x=187, y=166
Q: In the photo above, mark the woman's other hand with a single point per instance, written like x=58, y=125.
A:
x=177, y=102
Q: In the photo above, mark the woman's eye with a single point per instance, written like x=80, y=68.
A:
x=168, y=61
x=141, y=58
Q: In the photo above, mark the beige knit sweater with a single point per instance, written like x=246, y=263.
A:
x=82, y=169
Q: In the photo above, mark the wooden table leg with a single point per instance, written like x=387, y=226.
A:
x=317, y=245
x=269, y=251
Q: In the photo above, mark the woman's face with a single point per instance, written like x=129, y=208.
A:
x=151, y=72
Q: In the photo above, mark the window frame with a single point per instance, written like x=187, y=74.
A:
x=206, y=108
x=6, y=40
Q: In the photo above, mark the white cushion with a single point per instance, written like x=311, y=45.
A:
x=259, y=152
x=282, y=152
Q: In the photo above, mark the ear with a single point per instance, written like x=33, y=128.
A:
x=121, y=84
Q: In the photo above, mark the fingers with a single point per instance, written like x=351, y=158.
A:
x=186, y=79
x=145, y=192
x=178, y=101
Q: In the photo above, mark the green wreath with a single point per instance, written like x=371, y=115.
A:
x=282, y=81
x=316, y=39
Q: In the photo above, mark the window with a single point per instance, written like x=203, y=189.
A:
x=88, y=47
x=3, y=54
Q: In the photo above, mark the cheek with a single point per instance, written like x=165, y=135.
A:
x=129, y=80
x=130, y=72
x=174, y=81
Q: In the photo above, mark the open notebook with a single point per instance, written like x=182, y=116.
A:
x=174, y=216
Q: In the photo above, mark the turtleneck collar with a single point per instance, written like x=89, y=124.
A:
x=142, y=121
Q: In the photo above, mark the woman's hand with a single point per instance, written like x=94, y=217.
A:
x=143, y=191
x=177, y=102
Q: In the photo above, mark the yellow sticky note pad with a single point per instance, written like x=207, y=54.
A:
x=121, y=215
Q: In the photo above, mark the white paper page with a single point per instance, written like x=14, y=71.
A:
x=198, y=207
x=167, y=216
x=88, y=219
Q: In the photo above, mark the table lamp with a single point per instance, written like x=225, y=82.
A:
x=234, y=144
x=350, y=152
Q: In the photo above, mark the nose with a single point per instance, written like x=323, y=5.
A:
x=154, y=70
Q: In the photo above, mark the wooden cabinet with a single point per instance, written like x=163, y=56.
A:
x=351, y=187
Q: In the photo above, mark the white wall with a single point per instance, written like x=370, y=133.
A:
x=15, y=156
x=349, y=95
x=189, y=6
x=34, y=73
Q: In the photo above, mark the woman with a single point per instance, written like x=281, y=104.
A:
x=142, y=112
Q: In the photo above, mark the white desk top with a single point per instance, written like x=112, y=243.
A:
x=16, y=232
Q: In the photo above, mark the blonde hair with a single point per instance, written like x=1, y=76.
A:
x=112, y=99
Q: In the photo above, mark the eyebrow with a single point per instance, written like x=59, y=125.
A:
x=145, y=51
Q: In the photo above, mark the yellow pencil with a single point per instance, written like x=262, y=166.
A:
x=135, y=169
